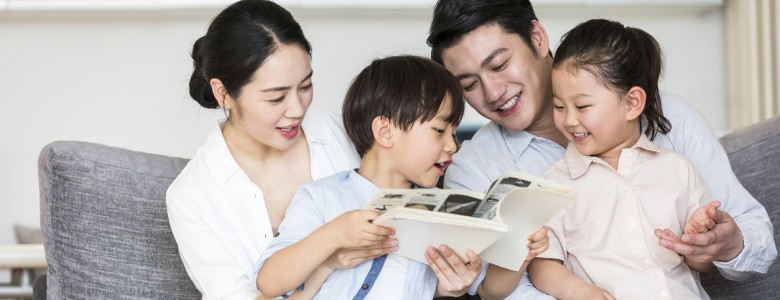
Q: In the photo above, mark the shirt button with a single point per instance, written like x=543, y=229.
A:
x=633, y=224
x=365, y=286
x=664, y=293
x=648, y=261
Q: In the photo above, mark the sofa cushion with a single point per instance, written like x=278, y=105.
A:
x=754, y=153
x=105, y=226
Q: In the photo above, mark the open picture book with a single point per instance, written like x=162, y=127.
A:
x=495, y=225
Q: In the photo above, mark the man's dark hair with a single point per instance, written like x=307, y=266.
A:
x=453, y=19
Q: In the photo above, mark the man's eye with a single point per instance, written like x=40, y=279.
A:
x=470, y=87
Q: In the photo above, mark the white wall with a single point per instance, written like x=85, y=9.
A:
x=120, y=78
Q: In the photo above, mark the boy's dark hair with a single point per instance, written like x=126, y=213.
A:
x=404, y=89
x=622, y=58
x=452, y=19
x=236, y=43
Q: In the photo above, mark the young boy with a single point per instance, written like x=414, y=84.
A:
x=401, y=113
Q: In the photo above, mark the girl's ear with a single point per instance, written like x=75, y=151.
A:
x=539, y=39
x=635, y=103
x=220, y=92
x=383, y=131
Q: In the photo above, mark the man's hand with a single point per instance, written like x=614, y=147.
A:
x=722, y=243
x=455, y=277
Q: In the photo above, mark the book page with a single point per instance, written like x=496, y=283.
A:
x=447, y=201
x=524, y=211
x=507, y=183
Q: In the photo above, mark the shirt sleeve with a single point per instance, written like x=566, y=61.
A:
x=301, y=218
x=205, y=256
x=691, y=136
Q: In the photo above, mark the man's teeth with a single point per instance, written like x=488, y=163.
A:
x=509, y=104
x=579, y=135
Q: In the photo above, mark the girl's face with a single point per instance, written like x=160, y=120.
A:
x=272, y=105
x=423, y=153
x=594, y=118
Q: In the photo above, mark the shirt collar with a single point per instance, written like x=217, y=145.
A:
x=218, y=157
x=578, y=164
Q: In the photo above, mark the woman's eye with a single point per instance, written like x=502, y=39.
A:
x=277, y=100
x=306, y=88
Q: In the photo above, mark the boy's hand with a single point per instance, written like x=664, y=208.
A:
x=347, y=258
x=537, y=243
x=353, y=229
x=703, y=219
x=455, y=276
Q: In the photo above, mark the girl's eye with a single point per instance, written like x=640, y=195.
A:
x=557, y=107
x=582, y=106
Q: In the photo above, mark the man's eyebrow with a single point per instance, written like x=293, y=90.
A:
x=484, y=63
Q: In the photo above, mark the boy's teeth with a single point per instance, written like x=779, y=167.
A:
x=509, y=104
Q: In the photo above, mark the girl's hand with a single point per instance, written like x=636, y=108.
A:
x=537, y=243
x=703, y=219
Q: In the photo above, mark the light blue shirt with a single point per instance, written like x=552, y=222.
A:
x=320, y=202
x=494, y=149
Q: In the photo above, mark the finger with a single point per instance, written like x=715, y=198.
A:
x=699, y=239
x=453, y=260
x=439, y=266
x=539, y=244
x=608, y=296
x=475, y=262
x=538, y=235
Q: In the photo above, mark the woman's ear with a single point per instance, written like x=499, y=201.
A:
x=220, y=93
x=539, y=39
x=383, y=131
x=635, y=103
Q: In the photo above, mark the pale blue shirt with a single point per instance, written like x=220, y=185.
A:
x=494, y=149
x=320, y=202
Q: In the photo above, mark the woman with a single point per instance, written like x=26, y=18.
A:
x=254, y=64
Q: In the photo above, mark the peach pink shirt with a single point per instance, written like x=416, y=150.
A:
x=605, y=235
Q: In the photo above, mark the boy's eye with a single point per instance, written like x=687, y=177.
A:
x=439, y=130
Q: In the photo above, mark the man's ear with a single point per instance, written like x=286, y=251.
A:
x=383, y=131
x=635, y=102
x=539, y=39
x=220, y=93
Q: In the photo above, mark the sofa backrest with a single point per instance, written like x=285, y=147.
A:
x=105, y=225
x=754, y=153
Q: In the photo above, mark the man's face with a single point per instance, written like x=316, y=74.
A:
x=501, y=77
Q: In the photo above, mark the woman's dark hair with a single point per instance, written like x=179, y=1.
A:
x=237, y=42
x=452, y=19
x=622, y=58
x=404, y=89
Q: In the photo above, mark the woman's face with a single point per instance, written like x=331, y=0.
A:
x=271, y=107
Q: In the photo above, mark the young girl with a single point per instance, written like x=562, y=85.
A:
x=605, y=93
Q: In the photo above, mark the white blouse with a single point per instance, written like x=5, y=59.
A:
x=218, y=215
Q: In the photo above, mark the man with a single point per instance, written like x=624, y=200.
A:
x=500, y=53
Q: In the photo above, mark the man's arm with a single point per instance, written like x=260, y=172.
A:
x=738, y=246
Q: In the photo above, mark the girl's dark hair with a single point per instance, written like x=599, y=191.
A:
x=237, y=42
x=622, y=58
x=403, y=89
x=452, y=19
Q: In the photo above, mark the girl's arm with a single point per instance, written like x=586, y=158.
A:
x=500, y=282
x=551, y=277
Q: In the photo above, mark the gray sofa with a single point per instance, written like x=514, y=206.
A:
x=106, y=231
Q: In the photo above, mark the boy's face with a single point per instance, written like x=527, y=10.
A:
x=500, y=76
x=422, y=154
x=591, y=116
